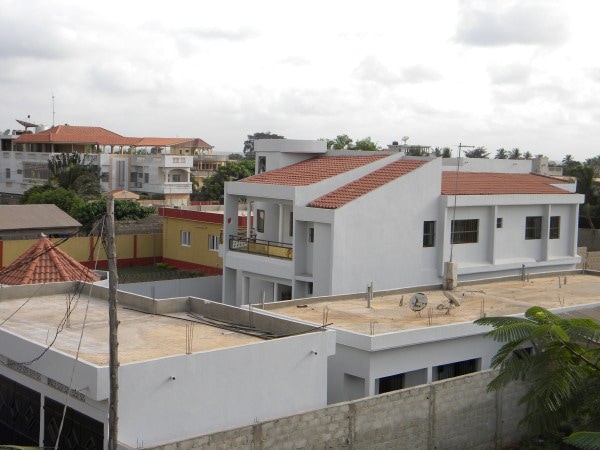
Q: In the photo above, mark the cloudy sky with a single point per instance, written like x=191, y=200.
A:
x=493, y=73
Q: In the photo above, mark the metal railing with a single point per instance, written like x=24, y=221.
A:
x=261, y=247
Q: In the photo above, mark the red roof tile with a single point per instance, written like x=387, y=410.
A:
x=312, y=170
x=45, y=263
x=366, y=184
x=487, y=183
x=68, y=134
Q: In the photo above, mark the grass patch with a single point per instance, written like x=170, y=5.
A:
x=154, y=272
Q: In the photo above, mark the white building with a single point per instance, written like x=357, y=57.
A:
x=142, y=165
x=385, y=345
x=187, y=367
x=332, y=222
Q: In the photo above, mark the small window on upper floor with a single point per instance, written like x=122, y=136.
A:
x=554, y=227
x=429, y=233
x=311, y=234
x=213, y=242
x=260, y=220
x=499, y=222
x=291, y=223
x=262, y=164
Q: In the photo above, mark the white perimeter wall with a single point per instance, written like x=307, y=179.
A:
x=222, y=389
x=209, y=288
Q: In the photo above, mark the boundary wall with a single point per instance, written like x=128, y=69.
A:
x=457, y=413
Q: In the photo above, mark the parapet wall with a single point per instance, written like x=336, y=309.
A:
x=451, y=414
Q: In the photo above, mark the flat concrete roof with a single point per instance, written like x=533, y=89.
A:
x=141, y=336
x=387, y=314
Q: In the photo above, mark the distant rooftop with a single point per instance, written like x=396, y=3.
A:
x=391, y=312
x=35, y=217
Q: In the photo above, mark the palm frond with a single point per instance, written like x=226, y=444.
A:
x=588, y=440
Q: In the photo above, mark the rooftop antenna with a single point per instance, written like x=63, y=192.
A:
x=460, y=147
x=53, y=112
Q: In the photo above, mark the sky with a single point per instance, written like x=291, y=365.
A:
x=498, y=74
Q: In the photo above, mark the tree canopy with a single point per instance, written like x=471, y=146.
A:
x=73, y=171
x=89, y=213
x=213, y=186
x=477, y=152
x=560, y=358
x=249, y=143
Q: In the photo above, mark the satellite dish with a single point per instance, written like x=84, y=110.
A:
x=417, y=302
x=404, y=139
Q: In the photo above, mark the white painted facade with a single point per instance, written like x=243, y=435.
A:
x=166, y=399
x=378, y=237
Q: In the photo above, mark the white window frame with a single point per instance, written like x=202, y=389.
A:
x=213, y=242
x=186, y=238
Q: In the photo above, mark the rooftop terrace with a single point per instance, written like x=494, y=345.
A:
x=390, y=312
x=142, y=335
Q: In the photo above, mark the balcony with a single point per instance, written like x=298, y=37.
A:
x=260, y=247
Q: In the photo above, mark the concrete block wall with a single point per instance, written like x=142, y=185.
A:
x=452, y=414
x=589, y=238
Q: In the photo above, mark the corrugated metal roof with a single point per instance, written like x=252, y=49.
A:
x=34, y=217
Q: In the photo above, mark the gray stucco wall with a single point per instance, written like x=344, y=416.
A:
x=452, y=414
x=203, y=287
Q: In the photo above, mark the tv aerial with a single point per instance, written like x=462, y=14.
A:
x=418, y=302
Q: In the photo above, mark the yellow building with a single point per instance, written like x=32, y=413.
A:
x=191, y=239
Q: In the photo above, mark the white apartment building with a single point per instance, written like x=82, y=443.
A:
x=332, y=222
x=141, y=165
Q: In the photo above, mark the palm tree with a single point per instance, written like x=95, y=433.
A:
x=560, y=358
x=501, y=154
x=515, y=153
x=527, y=155
x=477, y=152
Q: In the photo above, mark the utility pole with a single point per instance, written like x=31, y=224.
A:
x=113, y=324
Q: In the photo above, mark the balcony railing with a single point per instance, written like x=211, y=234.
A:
x=260, y=247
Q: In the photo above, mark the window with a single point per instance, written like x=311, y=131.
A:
x=260, y=220
x=391, y=383
x=291, y=224
x=176, y=178
x=309, y=288
x=555, y=227
x=186, y=238
x=146, y=177
x=499, y=222
x=104, y=177
x=311, y=235
x=8, y=173
x=465, y=231
x=262, y=164
x=429, y=233
x=533, y=227
x=213, y=242
x=455, y=369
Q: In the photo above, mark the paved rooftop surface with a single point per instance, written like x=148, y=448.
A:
x=495, y=299
x=141, y=336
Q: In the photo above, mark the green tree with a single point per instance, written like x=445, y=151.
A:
x=235, y=157
x=340, y=142
x=65, y=199
x=446, y=152
x=477, y=152
x=570, y=166
x=527, y=155
x=90, y=212
x=213, y=187
x=75, y=172
x=515, y=153
x=560, y=359
x=365, y=144
x=249, y=143
x=501, y=154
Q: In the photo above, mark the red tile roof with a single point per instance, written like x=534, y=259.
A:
x=488, y=183
x=45, y=263
x=73, y=134
x=68, y=134
x=366, y=184
x=312, y=170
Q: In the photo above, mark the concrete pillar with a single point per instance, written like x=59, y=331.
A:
x=450, y=275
